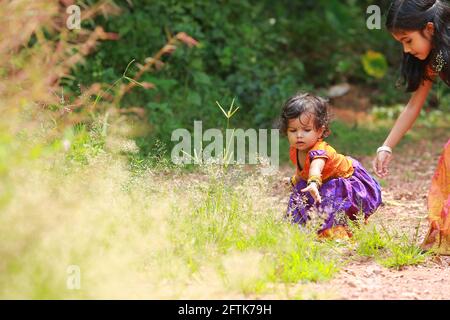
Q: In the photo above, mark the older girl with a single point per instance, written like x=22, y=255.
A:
x=423, y=29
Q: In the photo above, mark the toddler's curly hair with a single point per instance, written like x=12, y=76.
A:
x=301, y=103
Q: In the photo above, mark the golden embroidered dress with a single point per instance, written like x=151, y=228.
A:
x=438, y=236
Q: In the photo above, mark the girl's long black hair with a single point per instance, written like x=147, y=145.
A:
x=413, y=15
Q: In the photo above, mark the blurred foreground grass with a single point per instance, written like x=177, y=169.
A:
x=147, y=233
x=157, y=231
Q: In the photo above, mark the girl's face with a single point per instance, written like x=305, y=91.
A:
x=415, y=43
x=301, y=132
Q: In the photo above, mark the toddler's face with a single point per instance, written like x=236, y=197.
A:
x=301, y=132
x=415, y=43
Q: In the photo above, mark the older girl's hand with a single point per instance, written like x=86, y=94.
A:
x=381, y=162
x=314, y=191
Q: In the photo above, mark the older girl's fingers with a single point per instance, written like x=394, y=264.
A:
x=376, y=167
x=386, y=161
x=380, y=164
x=384, y=170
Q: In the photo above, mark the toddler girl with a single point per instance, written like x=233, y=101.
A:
x=326, y=183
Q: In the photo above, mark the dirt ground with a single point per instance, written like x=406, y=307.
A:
x=404, y=197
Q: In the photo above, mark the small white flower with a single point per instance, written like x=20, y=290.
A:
x=66, y=144
x=130, y=146
x=272, y=21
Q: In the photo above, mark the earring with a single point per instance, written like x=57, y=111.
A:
x=439, y=62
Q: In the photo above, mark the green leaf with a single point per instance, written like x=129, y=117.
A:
x=194, y=99
x=201, y=78
x=375, y=64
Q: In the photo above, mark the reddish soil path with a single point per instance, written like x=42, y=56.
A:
x=404, y=197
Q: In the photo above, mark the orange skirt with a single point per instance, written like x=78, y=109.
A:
x=438, y=237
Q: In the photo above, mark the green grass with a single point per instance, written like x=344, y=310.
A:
x=390, y=248
x=357, y=140
x=370, y=242
x=226, y=221
x=403, y=250
x=137, y=226
x=305, y=260
x=205, y=234
x=403, y=254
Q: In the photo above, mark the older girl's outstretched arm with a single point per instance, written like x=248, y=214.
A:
x=401, y=126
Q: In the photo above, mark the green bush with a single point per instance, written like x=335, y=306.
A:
x=259, y=52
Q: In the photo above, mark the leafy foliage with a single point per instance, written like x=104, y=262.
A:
x=258, y=52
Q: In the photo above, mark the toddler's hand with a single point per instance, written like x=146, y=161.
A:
x=314, y=191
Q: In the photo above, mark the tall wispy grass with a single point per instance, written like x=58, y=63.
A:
x=149, y=235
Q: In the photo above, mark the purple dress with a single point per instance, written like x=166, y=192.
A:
x=342, y=197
